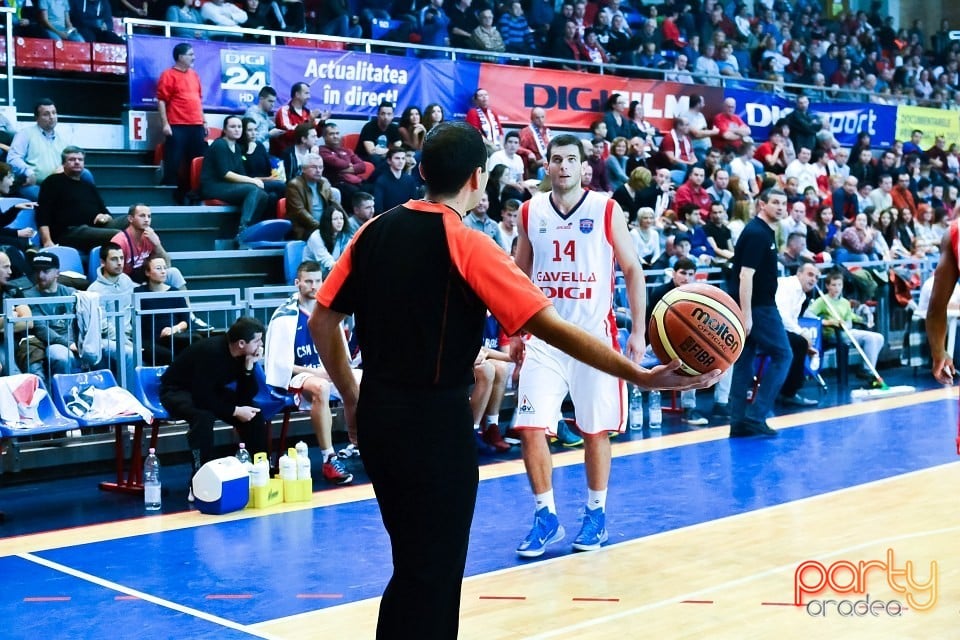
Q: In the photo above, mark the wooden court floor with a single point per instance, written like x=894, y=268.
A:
x=707, y=537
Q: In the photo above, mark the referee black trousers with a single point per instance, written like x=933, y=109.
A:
x=419, y=450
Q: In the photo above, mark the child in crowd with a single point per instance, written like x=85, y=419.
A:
x=835, y=310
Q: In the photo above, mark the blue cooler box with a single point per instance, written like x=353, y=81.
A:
x=221, y=486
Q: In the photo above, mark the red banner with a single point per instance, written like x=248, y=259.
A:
x=574, y=100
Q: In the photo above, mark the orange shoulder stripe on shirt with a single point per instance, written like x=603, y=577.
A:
x=608, y=220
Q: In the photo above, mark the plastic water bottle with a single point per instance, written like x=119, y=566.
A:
x=303, y=461
x=151, y=481
x=382, y=141
x=244, y=457
x=636, y=408
x=656, y=411
x=260, y=476
x=288, y=465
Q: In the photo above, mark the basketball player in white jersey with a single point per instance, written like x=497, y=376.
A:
x=568, y=241
x=945, y=279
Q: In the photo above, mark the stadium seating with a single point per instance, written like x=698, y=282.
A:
x=196, y=166
x=292, y=257
x=66, y=389
x=146, y=389
x=269, y=234
x=70, y=259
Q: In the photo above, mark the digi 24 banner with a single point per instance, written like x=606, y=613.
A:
x=347, y=83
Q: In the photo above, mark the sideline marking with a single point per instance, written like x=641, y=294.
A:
x=196, y=613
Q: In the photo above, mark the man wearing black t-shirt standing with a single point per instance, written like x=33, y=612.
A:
x=754, y=286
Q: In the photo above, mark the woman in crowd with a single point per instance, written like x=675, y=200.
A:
x=412, y=130
x=432, y=116
x=185, y=12
x=857, y=241
x=740, y=214
x=495, y=191
x=223, y=176
x=164, y=334
x=645, y=127
x=929, y=232
x=824, y=235
x=617, y=164
x=616, y=119
x=626, y=195
x=326, y=244
x=256, y=162
x=646, y=238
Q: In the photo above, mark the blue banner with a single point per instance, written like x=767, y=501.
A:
x=847, y=119
x=345, y=82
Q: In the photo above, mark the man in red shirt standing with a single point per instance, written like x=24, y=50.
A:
x=180, y=105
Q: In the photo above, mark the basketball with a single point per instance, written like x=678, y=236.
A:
x=699, y=324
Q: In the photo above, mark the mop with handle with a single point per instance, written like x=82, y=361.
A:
x=883, y=390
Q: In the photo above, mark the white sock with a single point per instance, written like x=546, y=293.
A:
x=326, y=453
x=493, y=419
x=546, y=500
x=596, y=499
x=476, y=427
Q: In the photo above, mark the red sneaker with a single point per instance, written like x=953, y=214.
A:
x=335, y=473
x=491, y=436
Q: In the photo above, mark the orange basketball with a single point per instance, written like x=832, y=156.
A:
x=699, y=324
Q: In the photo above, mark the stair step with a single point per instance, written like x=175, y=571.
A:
x=145, y=175
x=95, y=157
x=124, y=196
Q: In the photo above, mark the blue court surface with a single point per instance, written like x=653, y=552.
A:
x=209, y=580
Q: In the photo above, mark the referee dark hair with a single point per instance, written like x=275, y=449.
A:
x=419, y=321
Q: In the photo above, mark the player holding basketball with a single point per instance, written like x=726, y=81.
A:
x=568, y=241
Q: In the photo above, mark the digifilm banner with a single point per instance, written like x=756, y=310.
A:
x=345, y=82
x=574, y=100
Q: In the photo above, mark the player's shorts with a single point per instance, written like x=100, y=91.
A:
x=548, y=374
x=296, y=386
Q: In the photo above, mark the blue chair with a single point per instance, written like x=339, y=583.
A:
x=25, y=217
x=66, y=389
x=53, y=421
x=69, y=258
x=146, y=389
x=292, y=257
x=93, y=263
x=272, y=401
x=269, y=234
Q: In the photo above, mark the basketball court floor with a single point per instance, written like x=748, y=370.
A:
x=852, y=511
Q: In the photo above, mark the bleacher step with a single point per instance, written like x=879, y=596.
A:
x=124, y=196
x=144, y=175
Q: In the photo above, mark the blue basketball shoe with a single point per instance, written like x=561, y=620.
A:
x=546, y=530
x=593, y=531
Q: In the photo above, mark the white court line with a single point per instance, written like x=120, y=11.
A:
x=710, y=523
x=196, y=613
x=693, y=595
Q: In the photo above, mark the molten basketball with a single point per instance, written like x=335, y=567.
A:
x=699, y=324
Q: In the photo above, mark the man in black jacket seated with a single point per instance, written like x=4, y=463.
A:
x=213, y=379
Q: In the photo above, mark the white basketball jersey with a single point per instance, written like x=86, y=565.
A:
x=573, y=260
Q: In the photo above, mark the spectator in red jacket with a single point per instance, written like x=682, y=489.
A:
x=341, y=166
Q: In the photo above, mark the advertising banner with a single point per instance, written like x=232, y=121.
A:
x=933, y=123
x=574, y=100
x=761, y=110
x=347, y=83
